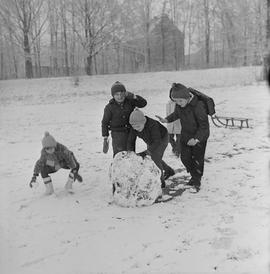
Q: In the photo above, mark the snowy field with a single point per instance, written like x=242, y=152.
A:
x=222, y=229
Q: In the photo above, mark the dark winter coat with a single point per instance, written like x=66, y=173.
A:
x=116, y=116
x=60, y=158
x=152, y=134
x=194, y=120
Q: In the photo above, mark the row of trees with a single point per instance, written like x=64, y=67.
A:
x=67, y=37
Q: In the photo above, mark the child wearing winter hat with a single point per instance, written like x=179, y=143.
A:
x=116, y=117
x=194, y=134
x=155, y=135
x=55, y=156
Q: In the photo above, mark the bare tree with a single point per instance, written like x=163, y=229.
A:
x=206, y=30
x=93, y=27
x=64, y=34
x=147, y=23
x=22, y=14
x=267, y=43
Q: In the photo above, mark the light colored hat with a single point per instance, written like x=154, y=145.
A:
x=48, y=140
x=137, y=117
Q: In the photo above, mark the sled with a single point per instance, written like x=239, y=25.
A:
x=230, y=122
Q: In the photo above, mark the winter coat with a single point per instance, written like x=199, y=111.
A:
x=194, y=120
x=116, y=116
x=152, y=134
x=174, y=127
x=60, y=158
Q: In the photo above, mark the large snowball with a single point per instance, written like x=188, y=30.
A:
x=136, y=180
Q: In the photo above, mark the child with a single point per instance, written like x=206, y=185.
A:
x=174, y=130
x=194, y=134
x=155, y=135
x=116, y=117
x=53, y=157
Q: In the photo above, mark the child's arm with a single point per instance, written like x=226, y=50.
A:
x=37, y=169
x=69, y=156
x=137, y=100
x=107, y=116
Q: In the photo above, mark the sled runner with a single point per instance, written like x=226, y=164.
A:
x=231, y=122
x=220, y=121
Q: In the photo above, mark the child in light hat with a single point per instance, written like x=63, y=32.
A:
x=55, y=156
x=155, y=135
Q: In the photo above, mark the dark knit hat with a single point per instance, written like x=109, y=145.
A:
x=48, y=140
x=116, y=87
x=179, y=91
x=137, y=117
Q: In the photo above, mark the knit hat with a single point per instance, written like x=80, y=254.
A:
x=116, y=87
x=48, y=140
x=137, y=117
x=179, y=91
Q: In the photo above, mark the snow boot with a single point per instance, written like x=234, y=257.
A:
x=194, y=189
x=168, y=173
x=69, y=182
x=48, y=185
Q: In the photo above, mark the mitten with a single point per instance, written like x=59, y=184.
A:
x=77, y=176
x=130, y=95
x=33, y=180
x=105, y=145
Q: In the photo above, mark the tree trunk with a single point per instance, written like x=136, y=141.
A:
x=267, y=46
x=1, y=55
x=207, y=32
x=28, y=59
x=88, y=68
x=147, y=37
x=64, y=24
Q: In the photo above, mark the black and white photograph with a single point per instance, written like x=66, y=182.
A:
x=134, y=136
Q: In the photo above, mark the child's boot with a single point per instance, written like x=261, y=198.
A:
x=69, y=182
x=48, y=185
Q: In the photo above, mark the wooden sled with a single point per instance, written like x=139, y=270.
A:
x=230, y=122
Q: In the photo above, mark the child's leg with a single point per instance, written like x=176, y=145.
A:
x=186, y=157
x=45, y=171
x=198, y=153
x=172, y=141
x=157, y=158
x=74, y=172
x=119, y=141
x=178, y=145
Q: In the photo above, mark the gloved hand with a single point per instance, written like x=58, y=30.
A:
x=105, y=145
x=33, y=180
x=142, y=154
x=162, y=120
x=77, y=176
x=130, y=95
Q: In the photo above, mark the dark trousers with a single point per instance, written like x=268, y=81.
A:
x=174, y=140
x=119, y=141
x=46, y=170
x=157, y=156
x=193, y=159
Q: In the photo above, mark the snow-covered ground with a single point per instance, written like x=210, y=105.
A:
x=223, y=228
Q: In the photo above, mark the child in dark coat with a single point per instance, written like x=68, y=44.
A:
x=116, y=117
x=55, y=156
x=195, y=131
x=155, y=135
